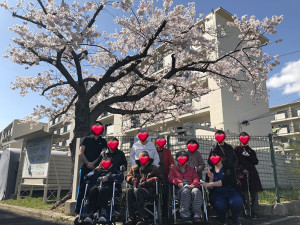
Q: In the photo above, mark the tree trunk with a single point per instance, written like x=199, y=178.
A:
x=82, y=124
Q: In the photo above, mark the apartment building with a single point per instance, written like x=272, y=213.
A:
x=217, y=109
x=57, y=126
x=16, y=129
x=286, y=120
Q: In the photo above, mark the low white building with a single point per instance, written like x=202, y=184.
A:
x=286, y=120
x=16, y=129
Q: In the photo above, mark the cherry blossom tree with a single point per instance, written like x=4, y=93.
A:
x=93, y=71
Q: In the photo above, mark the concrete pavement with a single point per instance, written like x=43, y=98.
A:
x=16, y=215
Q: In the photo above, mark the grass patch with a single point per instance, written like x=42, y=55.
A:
x=286, y=194
x=29, y=202
x=36, y=202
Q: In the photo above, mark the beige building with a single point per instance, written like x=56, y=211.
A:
x=286, y=120
x=57, y=126
x=217, y=110
x=16, y=129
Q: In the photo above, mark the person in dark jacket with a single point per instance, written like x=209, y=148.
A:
x=100, y=188
x=115, y=153
x=142, y=177
x=166, y=162
x=229, y=159
x=247, y=173
x=223, y=194
x=90, y=150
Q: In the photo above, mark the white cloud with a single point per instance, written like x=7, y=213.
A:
x=288, y=79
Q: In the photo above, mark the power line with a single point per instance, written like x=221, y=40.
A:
x=289, y=53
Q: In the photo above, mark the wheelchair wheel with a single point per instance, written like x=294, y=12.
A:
x=159, y=210
x=77, y=222
x=170, y=207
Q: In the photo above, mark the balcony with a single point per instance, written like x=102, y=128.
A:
x=283, y=130
x=280, y=116
x=202, y=104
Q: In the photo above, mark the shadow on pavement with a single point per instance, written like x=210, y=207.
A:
x=13, y=218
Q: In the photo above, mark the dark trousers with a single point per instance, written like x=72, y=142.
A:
x=222, y=202
x=98, y=198
x=165, y=196
x=81, y=187
x=253, y=203
x=136, y=201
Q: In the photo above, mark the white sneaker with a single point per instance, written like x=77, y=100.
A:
x=102, y=219
x=89, y=219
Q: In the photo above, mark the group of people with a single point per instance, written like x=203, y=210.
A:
x=231, y=177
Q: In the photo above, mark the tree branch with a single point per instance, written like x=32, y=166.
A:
x=28, y=20
x=53, y=86
x=124, y=111
x=107, y=76
x=67, y=108
x=137, y=72
x=43, y=7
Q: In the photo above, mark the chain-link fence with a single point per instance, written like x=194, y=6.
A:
x=278, y=167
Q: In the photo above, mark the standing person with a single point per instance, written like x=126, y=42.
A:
x=195, y=157
x=223, y=193
x=90, y=150
x=247, y=173
x=186, y=182
x=166, y=162
x=142, y=176
x=226, y=152
x=143, y=145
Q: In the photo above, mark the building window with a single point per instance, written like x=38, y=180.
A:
x=66, y=128
x=180, y=133
x=64, y=143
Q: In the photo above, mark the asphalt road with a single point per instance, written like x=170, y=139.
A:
x=9, y=218
x=14, y=218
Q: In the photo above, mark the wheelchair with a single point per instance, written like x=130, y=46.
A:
x=115, y=208
x=174, y=203
x=152, y=206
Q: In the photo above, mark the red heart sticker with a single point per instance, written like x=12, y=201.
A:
x=144, y=159
x=192, y=147
x=98, y=129
x=143, y=136
x=105, y=164
x=161, y=142
x=215, y=159
x=220, y=137
x=113, y=145
x=244, y=139
x=182, y=160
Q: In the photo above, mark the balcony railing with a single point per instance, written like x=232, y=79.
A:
x=289, y=129
x=288, y=114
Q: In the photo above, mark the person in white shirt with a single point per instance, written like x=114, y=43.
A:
x=143, y=145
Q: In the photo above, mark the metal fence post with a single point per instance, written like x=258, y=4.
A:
x=274, y=167
x=168, y=142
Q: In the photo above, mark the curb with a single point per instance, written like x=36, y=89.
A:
x=38, y=213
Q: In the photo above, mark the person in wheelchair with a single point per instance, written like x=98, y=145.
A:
x=100, y=182
x=186, y=181
x=142, y=177
x=223, y=194
x=114, y=153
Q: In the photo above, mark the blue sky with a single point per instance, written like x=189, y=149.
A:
x=284, y=81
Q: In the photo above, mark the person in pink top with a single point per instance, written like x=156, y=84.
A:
x=186, y=181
